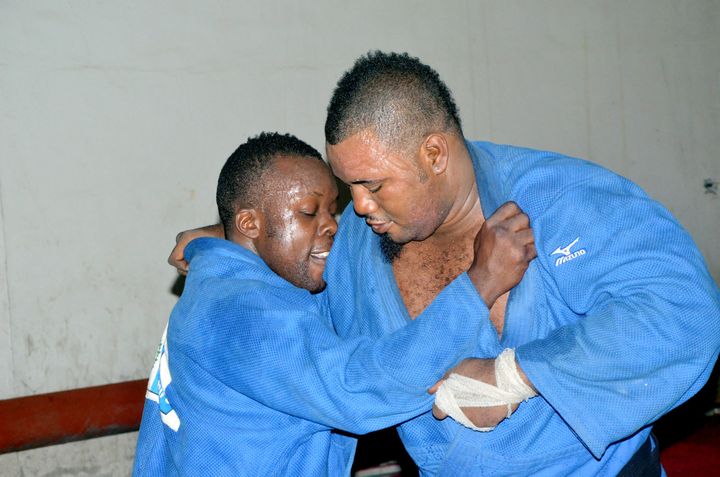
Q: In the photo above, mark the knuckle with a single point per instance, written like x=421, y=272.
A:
x=501, y=229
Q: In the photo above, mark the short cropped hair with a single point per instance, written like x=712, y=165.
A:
x=242, y=175
x=396, y=95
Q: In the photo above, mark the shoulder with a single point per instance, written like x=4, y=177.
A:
x=537, y=179
x=224, y=276
x=353, y=238
x=252, y=295
x=224, y=313
x=351, y=227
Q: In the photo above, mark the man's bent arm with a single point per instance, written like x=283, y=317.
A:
x=648, y=330
x=177, y=255
x=293, y=361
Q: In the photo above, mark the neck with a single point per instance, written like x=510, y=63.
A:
x=244, y=242
x=465, y=215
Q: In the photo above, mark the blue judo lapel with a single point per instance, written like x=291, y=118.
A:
x=522, y=310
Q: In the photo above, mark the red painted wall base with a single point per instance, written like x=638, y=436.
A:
x=65, y=416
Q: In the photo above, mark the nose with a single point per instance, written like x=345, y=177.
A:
x=362, y=201
x=328, y=225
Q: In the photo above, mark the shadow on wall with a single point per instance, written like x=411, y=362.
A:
x=178, y=286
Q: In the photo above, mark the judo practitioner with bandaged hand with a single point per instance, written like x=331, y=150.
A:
x=251, y=377
x=616, y=322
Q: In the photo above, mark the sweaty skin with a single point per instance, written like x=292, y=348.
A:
x=428, y=201
x=298, y=214
x=430, y=204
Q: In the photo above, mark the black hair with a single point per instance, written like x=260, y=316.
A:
x=242, y=173
x=401, y=98
x=389, y=248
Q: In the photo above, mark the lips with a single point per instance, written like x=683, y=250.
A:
x=321, y=251
x=320, y=255
x=379, y=227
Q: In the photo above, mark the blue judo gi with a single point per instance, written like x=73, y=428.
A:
x=251, y=377
x=615, y=322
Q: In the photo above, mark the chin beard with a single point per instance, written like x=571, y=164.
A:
x=389, y=248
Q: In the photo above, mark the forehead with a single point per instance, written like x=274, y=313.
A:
x=298, y=175
x=363, y=157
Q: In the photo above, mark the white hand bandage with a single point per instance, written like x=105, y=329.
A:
x=459, y=391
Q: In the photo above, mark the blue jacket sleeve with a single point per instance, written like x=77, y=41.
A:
x=289, y=358
x=641, y=312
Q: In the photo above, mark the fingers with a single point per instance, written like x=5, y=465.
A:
x=180, y=265
x=525, y=237
x=487, y=416
x=505, y=211
x=177, y=260
x=435, y=387
x=530, y=251
x=518, y=222
x=438, y=413
x=177, y=256
x=480, y=416
x=503, y=248
x=512, y=217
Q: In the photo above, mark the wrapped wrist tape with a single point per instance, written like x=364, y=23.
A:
x=459, y=391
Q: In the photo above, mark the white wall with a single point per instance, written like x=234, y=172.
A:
x=115, y=118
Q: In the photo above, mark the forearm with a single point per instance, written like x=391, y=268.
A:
x=630, y=365
x=360, y=384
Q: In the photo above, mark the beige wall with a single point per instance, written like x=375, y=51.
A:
x=115, y=118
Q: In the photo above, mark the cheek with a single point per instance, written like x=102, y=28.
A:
x=296, y=238
x=407, y=208
x=286, y=233
x=418, y=215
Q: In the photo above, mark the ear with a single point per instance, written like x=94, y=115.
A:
x=248, y=223
x=434, y=152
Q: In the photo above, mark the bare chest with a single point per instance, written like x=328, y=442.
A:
x=421, y=273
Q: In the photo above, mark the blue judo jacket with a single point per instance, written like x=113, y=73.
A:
x=251, y=378
x=615, y=322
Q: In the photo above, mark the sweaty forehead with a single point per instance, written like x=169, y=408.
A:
x=356, y=152
x=297, y=175
x=362, y=157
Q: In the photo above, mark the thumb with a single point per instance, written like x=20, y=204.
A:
x=435, y=387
